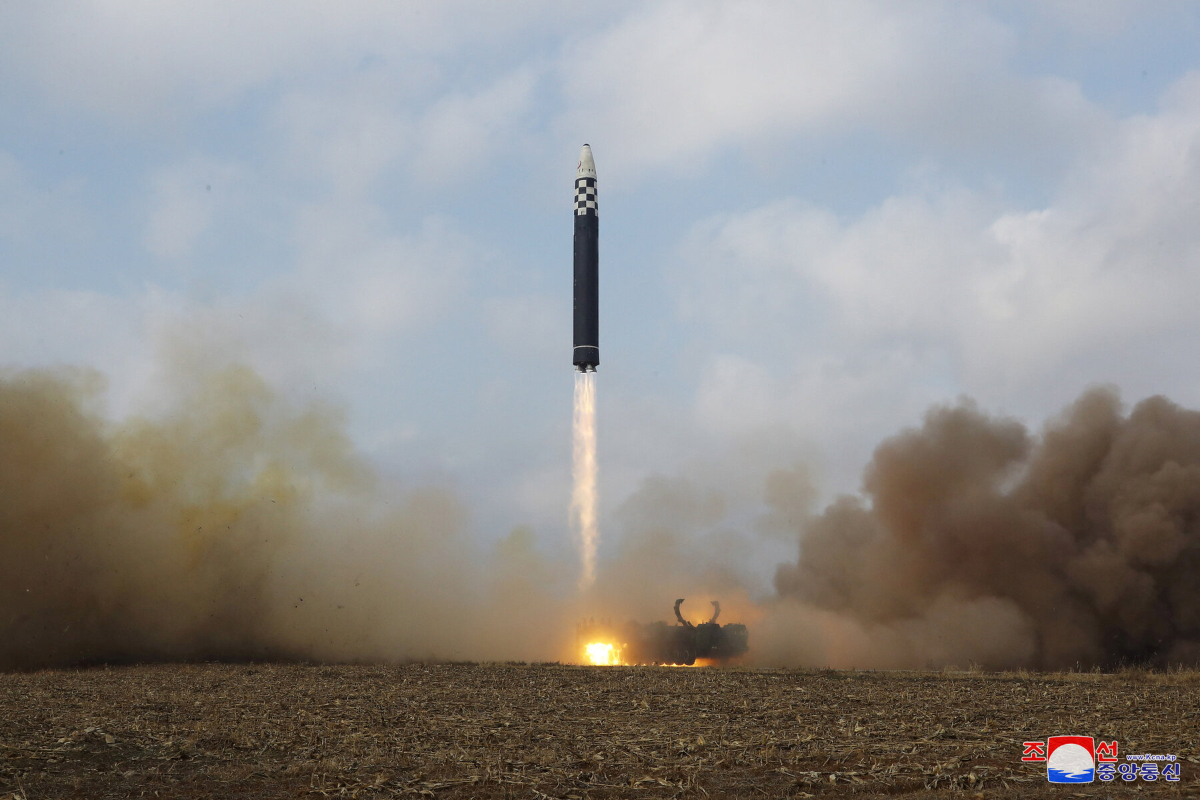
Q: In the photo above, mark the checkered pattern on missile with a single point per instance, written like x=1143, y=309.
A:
x=585, y=197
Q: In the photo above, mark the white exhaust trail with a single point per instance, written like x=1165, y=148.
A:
x=583, y=470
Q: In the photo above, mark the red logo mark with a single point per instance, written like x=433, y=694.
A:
x=1034, y=751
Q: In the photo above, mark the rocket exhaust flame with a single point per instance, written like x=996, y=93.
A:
x=583, y=496
x=602, y=654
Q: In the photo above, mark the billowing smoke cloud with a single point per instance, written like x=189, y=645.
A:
x=236, y=526
x=674, y=541
x=981, y=543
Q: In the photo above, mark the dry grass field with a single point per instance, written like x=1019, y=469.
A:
x=514, y=730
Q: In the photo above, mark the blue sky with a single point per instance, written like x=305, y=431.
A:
x=817, y=219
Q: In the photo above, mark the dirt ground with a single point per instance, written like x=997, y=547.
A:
x=515, y=730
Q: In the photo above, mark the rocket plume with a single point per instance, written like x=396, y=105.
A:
x=583, y=470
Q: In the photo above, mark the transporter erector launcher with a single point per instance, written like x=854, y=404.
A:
x=586, y=354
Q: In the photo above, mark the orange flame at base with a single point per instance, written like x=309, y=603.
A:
x=603, y=654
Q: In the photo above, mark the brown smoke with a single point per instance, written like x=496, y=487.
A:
x=236, y=527
x=981, y=543
x=669, y=543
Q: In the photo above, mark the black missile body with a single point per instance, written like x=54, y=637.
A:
x=586, y=354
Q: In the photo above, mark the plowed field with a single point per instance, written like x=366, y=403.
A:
x=514, y=730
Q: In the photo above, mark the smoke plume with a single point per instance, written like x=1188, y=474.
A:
x=583, y=471
x=982, y=543
x=237, y=527
x=234, y=525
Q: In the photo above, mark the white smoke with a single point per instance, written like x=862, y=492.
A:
x=583, y=470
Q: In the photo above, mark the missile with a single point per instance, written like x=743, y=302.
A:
x=586, y=354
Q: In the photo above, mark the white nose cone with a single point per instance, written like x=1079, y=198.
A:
x=587, y=165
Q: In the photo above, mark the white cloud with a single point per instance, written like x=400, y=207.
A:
x=459, y=132
x=677, y=81
x=14, y=198
x=32, y=211
x=533, y=323
x=1096, y=18
x=140, y=60
x=347, y=134
x=182, y=203
x=830, y=325
x=352, y=134
x=788, y=270
x=376, y=282
x=736, y=395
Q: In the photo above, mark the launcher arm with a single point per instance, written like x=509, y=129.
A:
x=679, y=616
